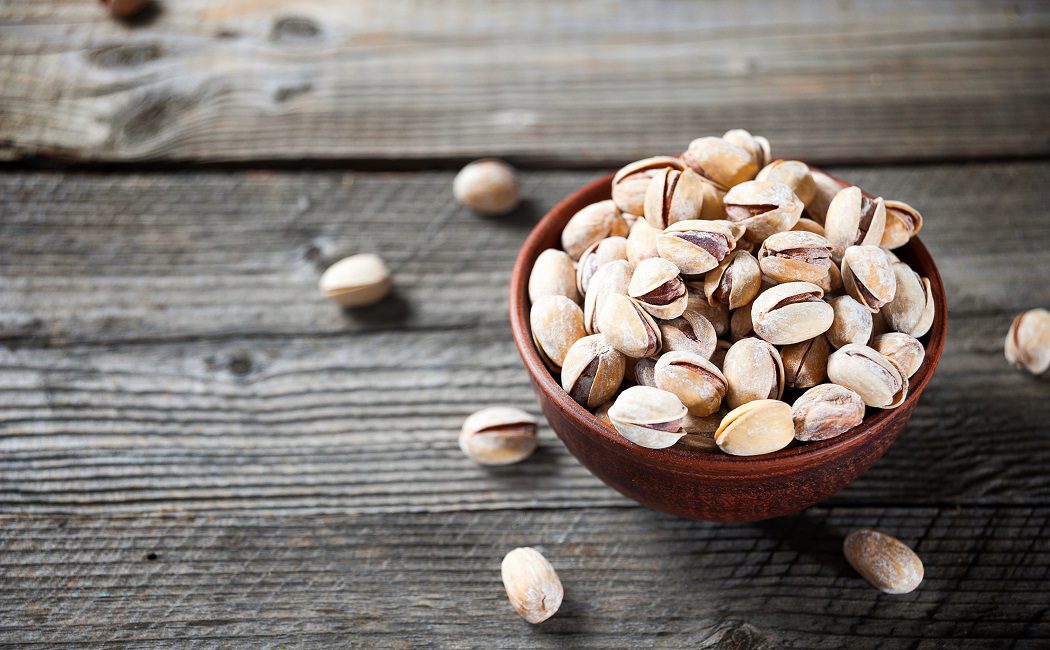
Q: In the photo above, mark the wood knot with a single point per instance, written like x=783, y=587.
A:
x=125, y=54
x=294, y=28
x=150, y=116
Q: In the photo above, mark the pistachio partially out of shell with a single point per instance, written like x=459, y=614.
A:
x=911, y=310
x=592, y=371
x=600, y=252
x=878, y=380
x=556, y=323
x=905, y=349
x=499, y=435
x=648, y=417
x=763, y=208
x=720, y=161
x=868, y=276
x=753, y=370
x=658, y=288
x=630, y=183
x=591, y=224
x=825, y=189
x=532, y=585
x=690, y=332
x=826, y=411
x=1028, y=341
x=790, y=313
x=641, y=242
x=793, y=173
x=795, y=256
x=883, y=560
x=757, y=427
x=697, y=246
x=756, y=145
x=673, y=196
x=629, y=328
x=717, y=315
x=611, y=278
x=852, y=322
x=357, y=281
x=553, y=274
x=902, y=223
x=806, y=363
x=693, y=379
x=735, y=282
x=854, y=219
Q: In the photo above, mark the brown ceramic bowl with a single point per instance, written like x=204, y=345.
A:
x=712, y=485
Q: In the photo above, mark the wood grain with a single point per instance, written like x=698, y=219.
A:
x=574, y=82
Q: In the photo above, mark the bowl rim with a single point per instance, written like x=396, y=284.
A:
x=692, y=461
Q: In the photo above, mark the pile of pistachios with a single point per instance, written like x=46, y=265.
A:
x=725, y=299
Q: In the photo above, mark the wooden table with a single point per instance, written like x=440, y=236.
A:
x=199, y=450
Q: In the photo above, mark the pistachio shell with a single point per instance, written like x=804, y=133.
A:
x=593, y=223
x=693, y=379
x=657, y=287
x=902, y=223
x=854, y=219
x=700, y=431
x=793, y=173
x=795, y=256
x=644, y=371
x=911, y=309
x=868, y=276
x=755, y=145
x=852, y=322
x=720, y=161
x=629, y=328
x=648, y=417
x=602, y=413
x=717, y=315
x=713, y=208
x=556, y=324
x=357, y=281
x=630, y=183
x=878, y=380
x=825, y=189
x=753, y=370
x=740, y=326
x=499, y=435
x=697, y=246
x=690, y=332
x=805, y=224
x=905, y=349
x=735, y=282
x=718, y=357
x=592, y=371
x=641, y=242
x=883, y=560
x=673, y=196
x=1028, y=341
x=763, y=208
x=600, y=252
x=532, y=585
x=806, y=363
x=611, y=278
x=790, y=313
x=553, y=274
x=758, y=427
x=826, y=411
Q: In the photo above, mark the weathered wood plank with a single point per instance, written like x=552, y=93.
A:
x=574, y=82
x=633, y=578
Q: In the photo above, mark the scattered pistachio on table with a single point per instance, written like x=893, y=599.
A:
x=532, y=585
x=1028, y=341
x=883, y=560
x=498, y=435
x=357, y=281
x=488, y=187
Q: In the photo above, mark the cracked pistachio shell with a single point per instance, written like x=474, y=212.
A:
x=630, y=183
x=826, y=411
x=753, y=370
x=756, y=145
x=697, y=246
x=532, y=585
x=690, y=332
x=883, y=560
x=854, y=219
x=763, y=208
x=720, y=161
x=852, y=322
x=611, y=278
x=556, y=323
x=641, y=242
x=592, y=371
x=1028, y=341
x=790, y=313
x=758, y=427
x=357, y=281
x=806, y=363
x=805, y=224
x=629, y=328
x=593, y=223
x=878, y=380
x=658, y=288
x=902, y=223
x=693, y=379
x=735, y=282
x=740, y=326
x=717, y=315
x=600, y=252
x=793, y=173
x=499, y=435
x=553, y=274
x=648, y=417
x=911, y=310
x=602, y=413
x=673, y=196
x=868, y=276
x=644, y=371
x=825, y=189
x=795, y=256
x=906, y=350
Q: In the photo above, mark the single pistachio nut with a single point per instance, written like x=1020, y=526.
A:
x=740, y=326
x=763, y=208
x=648, y=417
x=700, y=431
x=611, y=278
x=756, y=145
x=693, y=379
x=553, y=274
x=556, y=323
x=754, y=371
x=488, y=187
x=641, y=242
x=911, y=310
x=868, y=276
x=793, y=173
x=757, y=427
x=673, y=196
x=905, y=349
x=825, y=189
x=658, y=288
x=592, y=371
x=720, y=161
x=791, y=312
x=644, y=371
x=697, y=246
x=853, y=219
x=878, y=380
x=629, y=328
x=717, y=315
x=852, y=322
x=883, y=560
x=826, y=411
x=805, y=224
x=630, y=183
x=532, y=585
x=1028, y=342
x=597, y=255
x=806, y=363
x=602, y=413
x=357, y=281
x=795, y=256
x=498, y=435
x=690, y=332
x=735, y=282
x=593, y=223
x=902, y=223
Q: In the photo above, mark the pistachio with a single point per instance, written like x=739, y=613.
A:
x=826, y=411
x=593, y=223
x=852, y=322
x=553, y=274
x=883, y=560
x=806, y=363
x=911, y=310
x=357, y=281
x=690, y=332
x=592, y=371
x=648, y=417
x=763, y=208
x=753, y=371
x=498, y=435
x=713, y=207
x=673, y=196
x=658, y=288
x=609, y=249
x=735, y=281
x=868, y=276
x=487, y=186
x=833, y=282
x=628, y=327
x=878, y=380
x=693, y=379
x=805, y=224
x=644, y=371
x=902, y=223
x=795, y=256
x=700, y=431
x=718, y=357
x=825, y=189
x=740, y=325
x=532, y=585
x=791, y=312
x=1028, y=342
x=757, y=427
x=611, y=278
x=556, y=323
x=602, y=413
x=697, y=246
x=854, y=219
x=793, y=173
x=641, y=242
x=717, y=315
x=755, y=145
x=906, y=350
x=630, y=183
x=720, y=161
